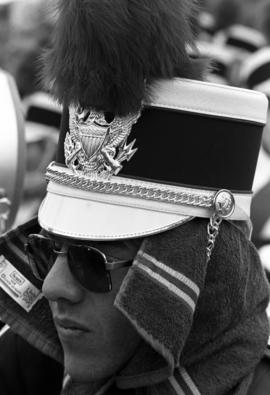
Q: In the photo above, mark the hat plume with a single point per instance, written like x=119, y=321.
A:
x=105, y=52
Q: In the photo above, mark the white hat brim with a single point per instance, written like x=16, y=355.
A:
x=92, y=219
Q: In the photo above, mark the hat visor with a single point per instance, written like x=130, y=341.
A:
x=100, y=217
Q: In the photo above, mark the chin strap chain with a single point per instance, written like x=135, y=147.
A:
x=224, y=205
x=4, y=211
x=212, y=231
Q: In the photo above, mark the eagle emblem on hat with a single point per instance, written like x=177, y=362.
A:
x=97, y=146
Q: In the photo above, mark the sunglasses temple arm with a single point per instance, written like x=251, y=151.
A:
x=117, y=265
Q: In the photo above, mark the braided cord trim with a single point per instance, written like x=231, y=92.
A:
x=165, y=195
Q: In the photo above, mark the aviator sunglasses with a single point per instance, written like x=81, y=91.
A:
x=89, y=266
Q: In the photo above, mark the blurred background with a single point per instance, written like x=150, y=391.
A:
x=234, y=34
x=25, y=28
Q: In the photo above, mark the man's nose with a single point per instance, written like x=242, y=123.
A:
x=60, y=282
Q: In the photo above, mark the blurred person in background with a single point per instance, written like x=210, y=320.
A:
x=242, y=41
x=42, y=122
x=246, y=12
x=28, y=28
x=12, y=151
x=255, y=74
x=231, y=43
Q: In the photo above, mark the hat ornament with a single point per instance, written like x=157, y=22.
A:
x=95, y=146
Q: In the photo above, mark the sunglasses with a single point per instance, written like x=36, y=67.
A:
x=89, y=266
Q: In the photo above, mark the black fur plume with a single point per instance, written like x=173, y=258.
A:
x=106, y=51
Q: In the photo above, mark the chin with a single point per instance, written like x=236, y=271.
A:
x=87, y=370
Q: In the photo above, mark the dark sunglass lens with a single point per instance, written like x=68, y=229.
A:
x=40, y=251
x=88, y=266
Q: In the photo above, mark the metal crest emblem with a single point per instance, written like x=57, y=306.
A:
x=97, y=147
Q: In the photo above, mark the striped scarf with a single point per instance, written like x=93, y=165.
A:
x=206, y=322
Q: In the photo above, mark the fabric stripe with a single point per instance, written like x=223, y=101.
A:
x=182, y=286
x=189, y=382
x=176, y=386
x=4, y=330
x=171, y=287
x=182, y=383
x=179, y=276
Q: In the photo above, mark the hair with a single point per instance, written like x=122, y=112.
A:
x=105, y=53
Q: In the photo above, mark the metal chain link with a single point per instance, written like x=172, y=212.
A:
x=137, y=191
x=212, y=231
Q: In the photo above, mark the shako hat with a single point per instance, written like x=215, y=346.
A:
x=144, y=147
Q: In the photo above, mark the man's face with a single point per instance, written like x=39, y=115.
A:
x=96, y=338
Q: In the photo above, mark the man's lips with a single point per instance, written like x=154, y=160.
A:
x=67, y=324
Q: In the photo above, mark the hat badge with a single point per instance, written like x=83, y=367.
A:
x=95, y=146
